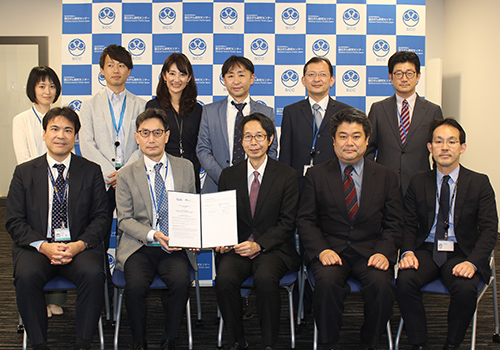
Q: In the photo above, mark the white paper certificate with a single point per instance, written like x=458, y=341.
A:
x=202, y=221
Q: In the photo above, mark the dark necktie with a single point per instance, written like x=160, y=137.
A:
x=59, y=201
x=404, y=122
x=441, y=226
x=238, y=152
x=254, y=194
x=351, y=198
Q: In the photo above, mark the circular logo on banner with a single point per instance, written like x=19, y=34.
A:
x=350, y=78
x=411, y=18
x=111, y=260
x=75, y=105
x=321, y=48
x=290, y=16
x=197, y=46
x=228, y=16
x=221, y=80
x=136, y=47
x=289, y=78
x=351, y=17
x=259, y=47
x=381, y=48
x=76, y=47
x=107, y=16
x=101, y=79
x=167, y=16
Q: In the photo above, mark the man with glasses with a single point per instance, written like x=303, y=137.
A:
x=305, y=134
x=451, y=228
x=267, y=198
x=400, y=122
x=141, y=195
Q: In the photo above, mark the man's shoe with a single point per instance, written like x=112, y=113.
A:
x=137, y=346
x=237, y=346
x=247, y=307
x=450, y=347
x=167, y=345
x=421, y=347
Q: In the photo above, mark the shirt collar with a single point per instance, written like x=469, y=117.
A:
x=230, y=99
x=51, y=161
x=261, y=169
x=358, y=167
x=150, y=164
x=323, y=103
x=411, y=100
x=453, y=175
x=112, y=95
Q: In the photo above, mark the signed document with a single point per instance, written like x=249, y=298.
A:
x=202, y=220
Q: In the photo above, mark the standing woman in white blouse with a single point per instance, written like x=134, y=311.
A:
x=43, y=88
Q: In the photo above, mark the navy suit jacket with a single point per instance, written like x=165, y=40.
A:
x=475, y=216
x=27, y=207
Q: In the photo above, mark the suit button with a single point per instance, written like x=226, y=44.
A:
x=399, y=171
x=318, y=152
x=348, y=242
x=319, y=136
x=402, y=152
x=352, y=227
x=227, y=161
x=112, y=159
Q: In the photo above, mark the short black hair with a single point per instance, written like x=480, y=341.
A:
x=266, y=123
x=350, y=115
x=65, y=112
x=237, y=61
x=152, y=113
x=117, y=53
x=39, y=74
x=447, y=121
x=317, y=60
x=403, y=57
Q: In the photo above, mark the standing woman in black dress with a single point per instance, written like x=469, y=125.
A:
x=176, y=94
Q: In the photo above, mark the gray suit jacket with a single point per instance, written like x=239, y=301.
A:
x=213, y=143
x=412, y=158
x=97, y=136
x=134, y=206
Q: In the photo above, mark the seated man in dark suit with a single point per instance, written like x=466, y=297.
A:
x=267, y=200
x=141, y=194
x=350, y=221
x=451, y=228
x=58, y=222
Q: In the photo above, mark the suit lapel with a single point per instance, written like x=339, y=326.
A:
x=337, y=187
x=369, y=183
x=463, y=185
x=76, y=175
x=223, y=125
x=41, y=184
x=325, y=124
x=430, y=195
x=419, y=112
x=306, y=112
x=128, y=117
x=143, y=186
x=391, y=113
x=266, y=185
x=104, y=105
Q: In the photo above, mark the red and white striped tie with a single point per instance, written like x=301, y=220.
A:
x=404, y=124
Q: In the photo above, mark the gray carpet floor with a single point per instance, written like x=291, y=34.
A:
x=62, y=330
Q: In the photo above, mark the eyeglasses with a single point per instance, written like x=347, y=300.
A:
x=410, y=74
x=450, y=143
x=322, y=75
x=156, y=133
x=258, y=137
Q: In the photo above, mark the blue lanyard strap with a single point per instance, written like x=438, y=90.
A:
x=36, y=114
x=157, y=203
x=60, y=196
x=122, y=113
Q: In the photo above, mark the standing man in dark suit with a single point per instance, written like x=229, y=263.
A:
x=451, y=228
x=141, y=193
x=218, y=141
x=350, y=221
x=267, y=200
x=401, y=122
x=56, y=215
x=305, y=135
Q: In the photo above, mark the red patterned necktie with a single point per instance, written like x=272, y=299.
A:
x=351, y=198
x=404, y=124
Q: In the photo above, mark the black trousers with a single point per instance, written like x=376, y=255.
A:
x=33, y=270
x=463, y=294
x=140, y=270
x=232, y=271
x=331, y=289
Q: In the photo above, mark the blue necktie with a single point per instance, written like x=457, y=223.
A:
x=161, y=200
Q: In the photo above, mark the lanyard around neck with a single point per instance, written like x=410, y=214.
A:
x=122, y=113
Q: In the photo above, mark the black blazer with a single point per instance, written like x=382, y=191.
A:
x=27, y=207
x=475, y=216
x=413, y=157
x=273, y=225
x=323, y=221
x=296, y=138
